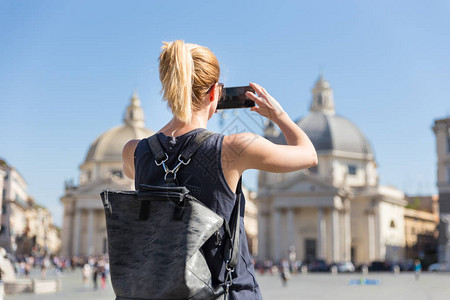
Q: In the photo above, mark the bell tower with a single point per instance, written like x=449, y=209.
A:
x=322, y=97
x=134, y=115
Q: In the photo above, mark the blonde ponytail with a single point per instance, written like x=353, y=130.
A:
x=186, y=72
x=175, y=71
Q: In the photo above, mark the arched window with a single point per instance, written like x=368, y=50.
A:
x=319, y=99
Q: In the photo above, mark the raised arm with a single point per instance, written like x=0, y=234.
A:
x=250, y=151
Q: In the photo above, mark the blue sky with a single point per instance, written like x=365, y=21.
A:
x=68, y=68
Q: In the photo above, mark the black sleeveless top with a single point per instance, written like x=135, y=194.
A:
x=204, y=178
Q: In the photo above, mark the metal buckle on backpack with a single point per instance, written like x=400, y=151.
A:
x=168, y=172
x=106, y=202
x=218, y=239
x=163, y=161
x=174, y=170
x=181, y=160
x=228, y=278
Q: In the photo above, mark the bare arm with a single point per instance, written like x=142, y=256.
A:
x=128, y=158
x=251, y=151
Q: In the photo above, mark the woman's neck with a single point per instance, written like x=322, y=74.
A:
x=175, y=127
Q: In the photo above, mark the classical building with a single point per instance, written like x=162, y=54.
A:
x=336, y=211
x=84, y=225
x=26, y=227
x=441, y=129
x=251, y=221
x=421, y=227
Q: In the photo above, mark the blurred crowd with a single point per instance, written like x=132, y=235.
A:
x=94, y=269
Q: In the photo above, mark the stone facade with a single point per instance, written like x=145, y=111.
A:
x=26, y=227
x=421, y=227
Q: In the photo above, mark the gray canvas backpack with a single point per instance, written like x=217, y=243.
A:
x=155, y=235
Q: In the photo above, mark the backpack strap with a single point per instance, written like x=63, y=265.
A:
x=188, y=151
x=157, y=150
x=231, y=250
x=183, y=159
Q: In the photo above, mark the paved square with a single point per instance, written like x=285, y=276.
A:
x=310, y=286
x=327, y=286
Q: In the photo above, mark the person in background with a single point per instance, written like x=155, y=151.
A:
x=95, y=271
x=45, y=264
x=284, y=271
x=417, y=268
x=86, y=274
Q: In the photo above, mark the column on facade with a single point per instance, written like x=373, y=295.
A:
x=321, y=234
x=77, y=230
x=262, y=233
x=447, y=236
x=371, y=235
x=380, y=250
x=277, y=216
x=67, y=233
x=290, y=227
x=336, y=235
x=2, y=181
x=348, y=236
x=90, y=244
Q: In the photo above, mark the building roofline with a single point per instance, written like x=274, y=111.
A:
x=444, y=120
x=9, y=168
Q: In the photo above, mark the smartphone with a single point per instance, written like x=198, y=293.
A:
x=234, y=97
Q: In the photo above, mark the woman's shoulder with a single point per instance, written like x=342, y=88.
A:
x=239, y=142
x=128, y=157
x=238, y=149
x=130, y=147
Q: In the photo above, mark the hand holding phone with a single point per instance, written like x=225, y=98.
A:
x=234, y=97
x=267, y=106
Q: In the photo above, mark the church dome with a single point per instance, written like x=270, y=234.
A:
x=108, y=146
x=333, y=132
x=326, y=130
